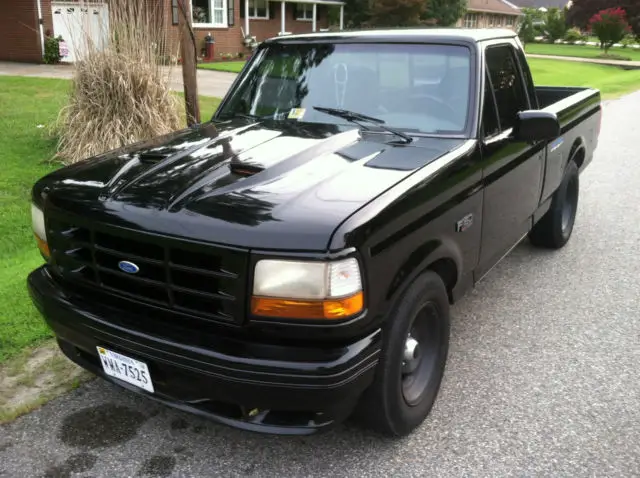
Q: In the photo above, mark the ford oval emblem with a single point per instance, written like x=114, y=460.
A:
x=128, y=267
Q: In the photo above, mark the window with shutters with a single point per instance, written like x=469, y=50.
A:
x=209, y=13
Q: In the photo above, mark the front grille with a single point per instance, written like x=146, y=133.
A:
x=196, y=279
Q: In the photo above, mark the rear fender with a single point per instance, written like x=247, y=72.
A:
x=578, y=152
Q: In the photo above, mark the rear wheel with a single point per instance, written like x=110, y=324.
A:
x=412, y=360
x=554, y=230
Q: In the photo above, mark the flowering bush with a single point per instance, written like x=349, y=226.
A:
x=610, y=26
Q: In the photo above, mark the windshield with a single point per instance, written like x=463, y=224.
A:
x=415, y=88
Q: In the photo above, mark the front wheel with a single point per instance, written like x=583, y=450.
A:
x=554, y=230
x=412, y=361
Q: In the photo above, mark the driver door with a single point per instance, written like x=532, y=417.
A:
x=512, y=170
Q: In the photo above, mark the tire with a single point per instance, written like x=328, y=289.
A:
x=403, y=392
x=554, y=230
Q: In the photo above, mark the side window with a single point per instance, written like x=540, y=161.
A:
x=490, y=125
x=507, y=84
x=528, y=79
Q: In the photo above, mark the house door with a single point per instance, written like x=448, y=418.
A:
x=81, y=27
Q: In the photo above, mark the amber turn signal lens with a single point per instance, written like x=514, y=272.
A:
x=307, y=309
x=43, y=246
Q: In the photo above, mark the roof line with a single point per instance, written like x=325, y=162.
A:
x=515, y=7
x=496, y=12
x=426, y=34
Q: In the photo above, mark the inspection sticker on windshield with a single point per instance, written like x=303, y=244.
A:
x=296, y=113
x=125, y=368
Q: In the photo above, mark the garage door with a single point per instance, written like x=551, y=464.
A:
x=80, y=26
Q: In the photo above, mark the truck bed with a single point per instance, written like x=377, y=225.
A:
x=548, y=95
x=579, y=112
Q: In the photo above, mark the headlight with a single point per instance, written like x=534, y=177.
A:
x=307, y=290
x=39, y=230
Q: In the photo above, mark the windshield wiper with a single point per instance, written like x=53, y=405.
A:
x=247, y=116
x=356, y=117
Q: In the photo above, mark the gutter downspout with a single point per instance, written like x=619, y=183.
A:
x=40, y=24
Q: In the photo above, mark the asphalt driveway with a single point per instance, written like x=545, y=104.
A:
x=543, y=377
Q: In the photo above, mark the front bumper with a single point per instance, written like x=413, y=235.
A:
x=260, y=387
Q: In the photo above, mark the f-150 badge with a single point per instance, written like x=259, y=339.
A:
x=464, y=223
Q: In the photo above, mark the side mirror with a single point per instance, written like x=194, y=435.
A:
x=533, y=126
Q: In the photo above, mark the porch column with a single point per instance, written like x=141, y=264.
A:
x=283, y=12
x=341, y=17
x=315, y=14
x=246, y=17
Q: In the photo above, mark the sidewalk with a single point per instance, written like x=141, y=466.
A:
x=210, y=83
x=629, y=65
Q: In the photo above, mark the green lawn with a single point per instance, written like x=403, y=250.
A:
x=25, y=104
x=208, y=106
x=229, y=66
x=579, y=51
x=611, y=81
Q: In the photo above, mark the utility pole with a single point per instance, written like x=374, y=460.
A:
x=188, y=53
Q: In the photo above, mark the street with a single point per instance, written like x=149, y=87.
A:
x=543, y=377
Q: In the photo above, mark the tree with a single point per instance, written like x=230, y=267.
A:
x=555, y=25
x=582, y=11
x=397, y=13
x=610, y=26
x=445, y=12
x=527, y=31
x=189, y=61
x=532, y=24
x=357, y=13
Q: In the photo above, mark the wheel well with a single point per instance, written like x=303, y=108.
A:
x=577, y=154
x=448, y=272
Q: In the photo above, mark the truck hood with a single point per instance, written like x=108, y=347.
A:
x=267, y=185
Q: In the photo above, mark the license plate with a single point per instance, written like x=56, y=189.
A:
x=125, y=368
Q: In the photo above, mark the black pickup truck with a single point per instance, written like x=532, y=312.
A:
x=292, y=261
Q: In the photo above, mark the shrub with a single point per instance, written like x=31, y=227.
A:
x=52, y=50
x=610, y=26
x=627, y=41
x=120, y=93
x=574, y=35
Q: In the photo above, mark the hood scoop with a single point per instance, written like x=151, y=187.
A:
x=244, y=168
x=150, y=157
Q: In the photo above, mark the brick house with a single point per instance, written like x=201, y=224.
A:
x=25, y=24
x=491, y=14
